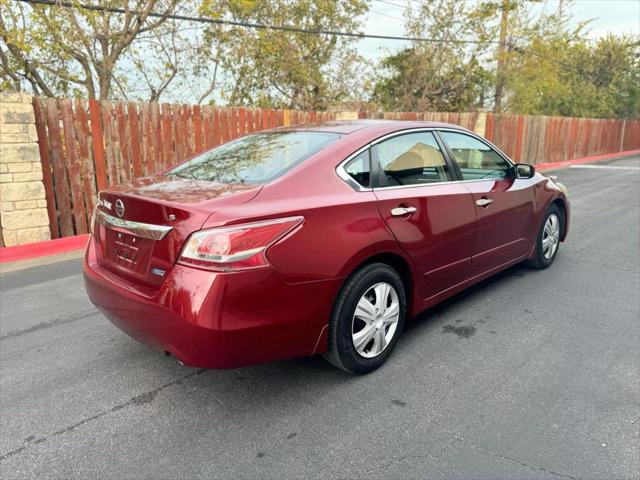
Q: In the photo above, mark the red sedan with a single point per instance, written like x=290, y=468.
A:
x=314, y=239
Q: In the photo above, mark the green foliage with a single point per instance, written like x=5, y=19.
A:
x=416, y=86
x=573, y=76
x=547, y=66
x=269, y=68
x=543, y=67
x=440, y=75
x=61, y=51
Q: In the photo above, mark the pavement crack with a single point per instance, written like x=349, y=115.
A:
x=535, y=468
x=470, y=443
x=386, y=465
x=51, y=323
x=140, y=399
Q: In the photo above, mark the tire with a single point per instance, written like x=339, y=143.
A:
x=543, y=257
x=379, y=333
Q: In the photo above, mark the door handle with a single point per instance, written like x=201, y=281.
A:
x=484, y=202
x=400, y=211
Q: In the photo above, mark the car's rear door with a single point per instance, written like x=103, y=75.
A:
x=503, y=203
x=430, y=214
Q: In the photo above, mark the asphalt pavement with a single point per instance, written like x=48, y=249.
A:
x=530, y=374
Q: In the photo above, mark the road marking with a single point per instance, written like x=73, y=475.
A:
x=605, y=167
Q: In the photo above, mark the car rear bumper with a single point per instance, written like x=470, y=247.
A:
x=216, y=320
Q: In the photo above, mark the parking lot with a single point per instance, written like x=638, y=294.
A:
x=530, y=374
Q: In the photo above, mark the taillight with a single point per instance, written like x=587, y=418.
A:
x=238, y=247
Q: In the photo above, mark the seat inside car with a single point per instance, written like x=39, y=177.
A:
x=421, y=162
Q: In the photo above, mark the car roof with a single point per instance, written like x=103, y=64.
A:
x=345, y=127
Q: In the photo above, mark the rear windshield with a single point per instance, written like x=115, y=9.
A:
x=255, y=159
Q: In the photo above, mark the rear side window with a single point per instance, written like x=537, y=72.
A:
x=358, y=169
x=255, y=159
x=411, y=159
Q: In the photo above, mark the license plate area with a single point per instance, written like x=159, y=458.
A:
x=128, y=252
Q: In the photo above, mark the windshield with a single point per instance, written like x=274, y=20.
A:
x=254, y=159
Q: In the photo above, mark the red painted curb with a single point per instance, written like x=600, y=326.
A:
x=79, y=242
x=43, y=249
x=577, y=161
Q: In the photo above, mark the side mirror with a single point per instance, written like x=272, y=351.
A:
x=524, y=170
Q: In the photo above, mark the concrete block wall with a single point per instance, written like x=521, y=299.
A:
x=23, y=208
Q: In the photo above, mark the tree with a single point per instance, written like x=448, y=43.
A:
x=58, y=50
x=555, y=69
x=443, y=74
x=270, y=68
x=506, y=7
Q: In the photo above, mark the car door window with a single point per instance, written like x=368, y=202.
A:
x=411, y=159
x=358, y=169
x=476, y=159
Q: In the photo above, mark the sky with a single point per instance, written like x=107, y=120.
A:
x=385, y=17
x=617, y=16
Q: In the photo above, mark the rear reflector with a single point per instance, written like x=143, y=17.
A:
x=238, y=247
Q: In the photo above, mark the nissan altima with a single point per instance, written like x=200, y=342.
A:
x=320, y=239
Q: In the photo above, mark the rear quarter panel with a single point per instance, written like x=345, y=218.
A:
x=341, y=226
x=339, y=232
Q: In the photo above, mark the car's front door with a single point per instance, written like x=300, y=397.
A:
x=432, y=217
x=503, y=203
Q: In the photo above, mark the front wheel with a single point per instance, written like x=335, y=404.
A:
x=367, y=319
x=548, y=239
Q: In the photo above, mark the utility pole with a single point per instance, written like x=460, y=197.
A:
x=500, y=80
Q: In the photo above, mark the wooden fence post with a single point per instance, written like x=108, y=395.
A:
x=97, y=144
x=47, y=179
x=519, y=137
x=624, y=127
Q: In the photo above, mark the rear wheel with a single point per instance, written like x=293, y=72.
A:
x=367, y=319
x=548, y=239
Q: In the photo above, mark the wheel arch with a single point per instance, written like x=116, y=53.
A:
x=396, y=260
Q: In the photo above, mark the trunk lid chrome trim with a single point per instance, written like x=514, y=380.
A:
x=145, y=230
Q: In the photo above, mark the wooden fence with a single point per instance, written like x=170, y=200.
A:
x=87, y=146
x=538, y=139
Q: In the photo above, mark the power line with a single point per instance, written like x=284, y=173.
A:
x=260, y=26
x=282, y=28
x=397, y=5
x=386, y=15
x=400, y=5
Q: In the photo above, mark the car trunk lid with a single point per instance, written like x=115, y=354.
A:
x=140, y=227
